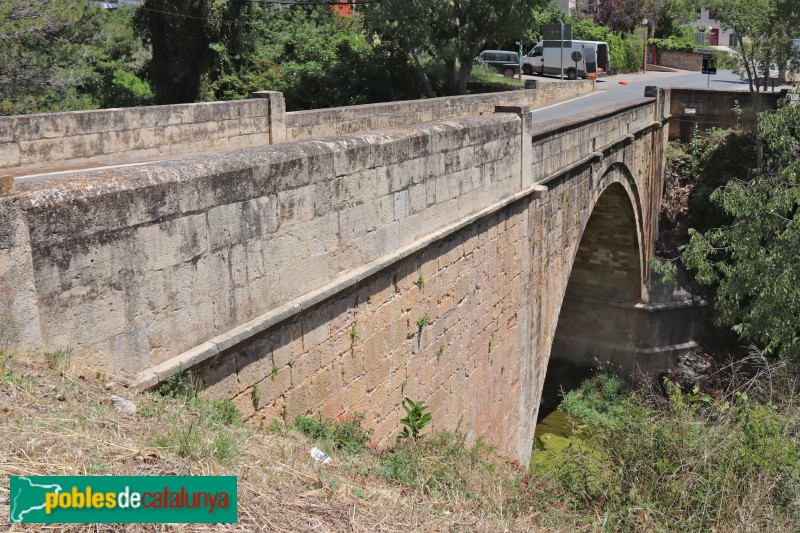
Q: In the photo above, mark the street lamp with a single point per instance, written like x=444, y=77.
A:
x=646, y=32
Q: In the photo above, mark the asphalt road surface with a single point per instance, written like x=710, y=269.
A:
x=610, y=92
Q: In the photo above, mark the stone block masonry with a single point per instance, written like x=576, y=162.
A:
x=340, y=274
x=123, y=259
x=313, y=124
x=137, y=133
x=440, y=325
x=113, y=136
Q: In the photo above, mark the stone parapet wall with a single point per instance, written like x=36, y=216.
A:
x=56, y=140
x=699, y=109
x=680, y=60
x=565, y=143
x=120, y=135
x=314, y=124
x=126, y=258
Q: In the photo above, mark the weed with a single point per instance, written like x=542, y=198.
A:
x=96, y=466
x=183, y=385
x=345, y=435
x=415, y=421
x=7, y=376
x=225, y=447
x=276, y=426
x=420, y=282
x=354, y=336
x=225, y=412
x=255, y=396
x=439, y=352
x=274, y=371
x=423, y=321
x=208, y=435
x=60, y=359
x=685, y=463
x=152, y=408
x=185, y=441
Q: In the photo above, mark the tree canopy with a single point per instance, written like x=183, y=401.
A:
x=752, y=261
x=446, y=36
x=765, y=29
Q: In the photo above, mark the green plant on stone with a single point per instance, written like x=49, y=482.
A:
x=439, y=352
x=274, y=371
x=415, y=421
x=354, y=336
x=255, y=395
x=423, y=321
x=420, y=282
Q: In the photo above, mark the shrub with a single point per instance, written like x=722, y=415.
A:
x=345, y=435
x=689, y=463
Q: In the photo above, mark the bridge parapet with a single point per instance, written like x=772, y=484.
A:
x=122, y=259
x=562, y=145
x=67, y=140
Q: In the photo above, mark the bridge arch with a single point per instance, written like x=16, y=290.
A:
x=596, y=318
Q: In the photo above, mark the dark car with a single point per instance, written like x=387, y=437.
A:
x=505, y=62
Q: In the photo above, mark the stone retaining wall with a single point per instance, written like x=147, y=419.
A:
x=695, y=110
x=680, y=60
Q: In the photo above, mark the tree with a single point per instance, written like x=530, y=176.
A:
x=193, y=42
x=752, y=261
x=446, y=36
x=664, y=15
x=765, y=30
x=67, y=55
x=317, y=58
x=117, y=59
x=43, y=54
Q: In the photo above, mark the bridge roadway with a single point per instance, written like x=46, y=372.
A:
x=610, y=92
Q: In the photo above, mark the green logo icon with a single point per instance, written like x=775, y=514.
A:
x=123, y=499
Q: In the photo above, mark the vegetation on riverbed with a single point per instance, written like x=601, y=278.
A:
x=674, y=460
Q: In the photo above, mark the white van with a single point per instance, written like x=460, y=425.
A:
x=593, y=58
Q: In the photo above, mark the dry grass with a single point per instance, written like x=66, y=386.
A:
x=62, y=423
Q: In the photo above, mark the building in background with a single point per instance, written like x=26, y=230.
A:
x=346, y=8
x=708, y=31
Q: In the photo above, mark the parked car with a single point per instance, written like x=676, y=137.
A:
x=505, y=62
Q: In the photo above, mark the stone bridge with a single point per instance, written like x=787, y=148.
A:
x=441, y=260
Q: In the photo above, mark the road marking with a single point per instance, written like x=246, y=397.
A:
x=29, y=177
x=567, y=101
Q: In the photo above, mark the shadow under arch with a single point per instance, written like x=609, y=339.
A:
x=598, y=316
